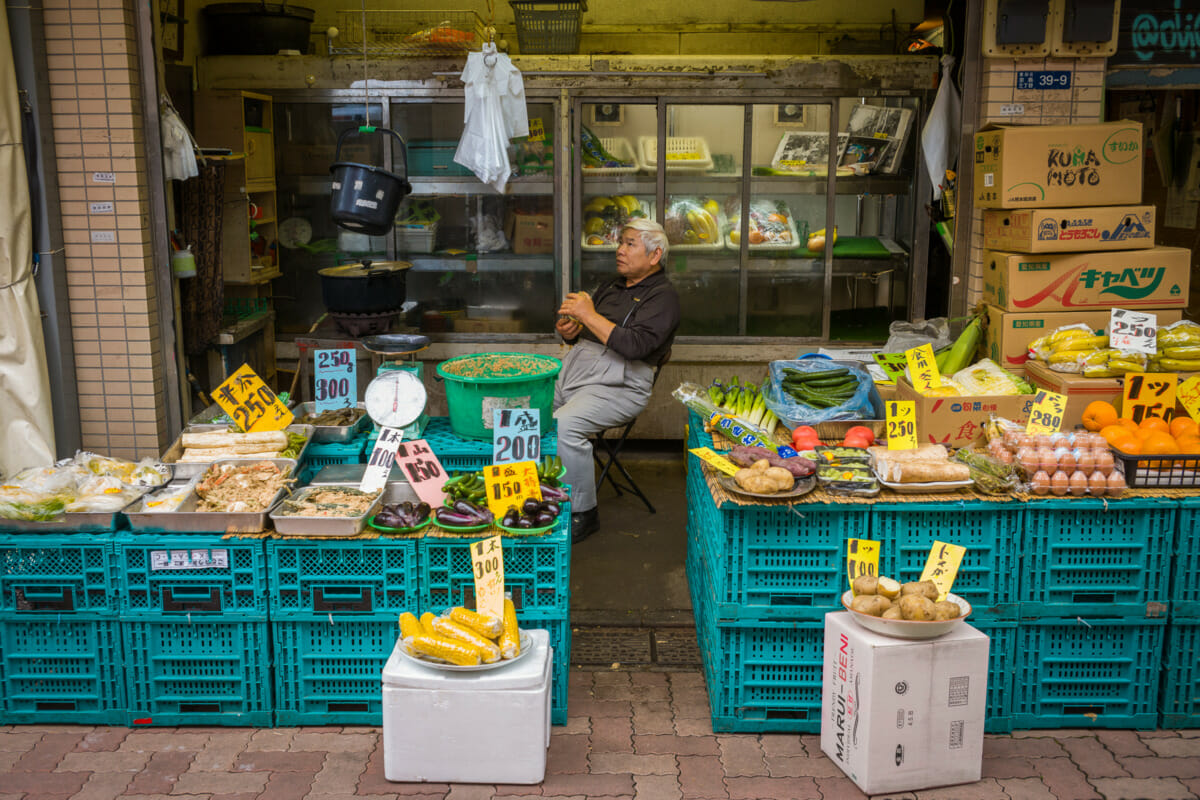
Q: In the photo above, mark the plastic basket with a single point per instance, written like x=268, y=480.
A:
x=416, y=238
x=1087, y=673
x=1159, y=471
x=61, y=670
x=1180, y=691
x=1002, y=659
x=559, y=628
x=677, y=146
x=1185, y=573
x=502, y=380
x=434, y=158
x=56, y=574
x=197, y=672
x=196, y=574
x=619, y=148
x=329, y=453
x=1088, y=557
x=376, y=577
x=548, y=26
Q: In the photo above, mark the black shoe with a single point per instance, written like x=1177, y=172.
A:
x=584, y=524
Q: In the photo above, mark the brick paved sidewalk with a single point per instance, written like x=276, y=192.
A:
x=630, y=734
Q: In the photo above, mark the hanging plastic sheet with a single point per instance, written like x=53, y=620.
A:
x=939, y=139
x=179, y=148
x=495, y=113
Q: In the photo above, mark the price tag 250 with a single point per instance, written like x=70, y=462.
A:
x=901, y=425
x=335, y=384
x=487, y=564
x=862, y=558
x=1133, y=331
x=250, y=403
x=1047, y=413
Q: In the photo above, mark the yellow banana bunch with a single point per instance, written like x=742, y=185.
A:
x=1179, y=364
x=1187, y=353
x=1098, y=358
x=1183, y=334
x=704, y=225
x=1077, y=344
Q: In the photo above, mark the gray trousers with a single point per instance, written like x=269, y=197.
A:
x=596, y=390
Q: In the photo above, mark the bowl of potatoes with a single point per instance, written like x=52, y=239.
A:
x=904, y=610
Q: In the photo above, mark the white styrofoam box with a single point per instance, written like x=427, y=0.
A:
x=468, y=727
x=900, y=715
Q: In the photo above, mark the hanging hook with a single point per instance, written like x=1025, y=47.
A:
x=489, y=54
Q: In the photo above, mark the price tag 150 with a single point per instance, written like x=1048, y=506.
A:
x=1150, y=394
x=1133, y=331
x=941, y=566
x=336, y=379
x=511, y=485
x=424, y=472
x=250, y=403
x=862, y=558
x=383, y=456
x=923, y=368
x=714, y=459
x=901, y=424
x=1047, y=413
x=516, y=435
x=487, y=564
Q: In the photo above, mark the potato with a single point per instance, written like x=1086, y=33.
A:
x=888, y=587
x=871, y=604
x=946, y=609
x=916, y=607
x=893, y=613
x=864, y=584
x=924, y=588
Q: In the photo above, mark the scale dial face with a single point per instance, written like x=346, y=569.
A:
x=395, y=398
x=295, y=232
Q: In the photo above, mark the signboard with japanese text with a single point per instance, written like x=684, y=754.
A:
x=380, y=462
x=901, y=424
x=862, y=558
x=1133, y=331
x=250, y=403
x=487, y=564
x=335, y=384
x=923, y=368
x=942, y=566
x=423, y=471
x=511, y=485
x=1188, y=394
x=1047, y=413
x=1149, y=394
x=516, y=435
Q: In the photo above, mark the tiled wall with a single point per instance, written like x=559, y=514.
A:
x=1000, y=98
x=96, y=102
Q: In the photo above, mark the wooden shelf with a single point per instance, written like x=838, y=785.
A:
x=267, y=275
x=245, y=327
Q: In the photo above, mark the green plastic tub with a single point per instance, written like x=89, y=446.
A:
x=476, y=385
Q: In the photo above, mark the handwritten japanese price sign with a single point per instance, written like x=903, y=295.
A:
x=942, y=566
x=901, y=424
x=250, y=403
x=1047, y=413
x=711, y=457
x=516, y=435
x=424, y=472
x=1150, y=394
x=487, y=564
x=892, y=364
x=511, y=485
x=862, y=558
x=1188, y=394
x=537, y=130
x=336, y=382
x=383, y=455
x=923, y=369
x=1133, y=331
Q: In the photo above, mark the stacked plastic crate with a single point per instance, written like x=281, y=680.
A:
x=334, y=607
x=324, y=454
x=1179, y=699
x=60, y=645
x=1094, y=592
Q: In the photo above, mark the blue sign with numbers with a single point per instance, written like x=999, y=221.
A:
x=336, y=384
x=1043, y=79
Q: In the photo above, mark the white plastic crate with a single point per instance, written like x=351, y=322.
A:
x=676, y=146
x=416, y=238
x=619, y=148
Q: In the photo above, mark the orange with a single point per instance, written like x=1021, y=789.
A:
x=1183, y=425
x=1130, y=445
x=1116, y=433
x=1159, y=444
x=1188, y=444
x=1155, y=424
x=1127, y=423
x=1099, y=414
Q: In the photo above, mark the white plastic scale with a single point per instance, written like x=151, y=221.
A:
x=396, y=397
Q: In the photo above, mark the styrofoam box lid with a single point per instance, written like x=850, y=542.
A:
x=527, y=673
x=873, y=639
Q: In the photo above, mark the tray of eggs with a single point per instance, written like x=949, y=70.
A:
x=1078, y=463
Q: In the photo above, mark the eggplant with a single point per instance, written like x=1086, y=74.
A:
x=510, y=517
x=524, y=522
x=422, y=511
x=531, y=506
x=551, y=507
x=449, y=517
x=553, y=493
x=544, y=518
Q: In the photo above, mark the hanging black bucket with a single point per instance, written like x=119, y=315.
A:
x=365, y=198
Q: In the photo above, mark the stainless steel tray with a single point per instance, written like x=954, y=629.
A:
x=190, y=470
x=397, y=489
x=323, y=434
x=186, y=519
x=321, y=526
x=67, y=522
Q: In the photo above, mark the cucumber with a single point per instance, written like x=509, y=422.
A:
x=832, y=382
x=805, y=377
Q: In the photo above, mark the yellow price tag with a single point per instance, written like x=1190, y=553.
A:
x=511, y=485
x=1150, y=394
x=901, y=424
x=942, y=566
x=1188, y=394
x=537, y=133
x=923, y=368
x=487, y=564
x=862, y=558
x=1047, y=413
x=250, y=403
x=712, y=458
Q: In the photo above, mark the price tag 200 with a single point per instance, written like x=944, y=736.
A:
x=383, y=455
x=516, y=435
x=862, y=558
x=1133, y=331
x=923, y=368
x=941, y=566
x=1150, y=394
x=511, y=485
x=1047, y=413
x=711, y=457
x=487, y=564
x=250, y=403
x=424, y=472
x=335, y=382
x=901, y=424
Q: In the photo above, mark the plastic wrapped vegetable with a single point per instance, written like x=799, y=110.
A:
x=770, y=223
x=604, y=217
x=986, y=377
x=831, y=403
x=693, y=221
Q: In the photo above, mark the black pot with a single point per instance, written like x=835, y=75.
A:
x=366, y=288
x=256, y=29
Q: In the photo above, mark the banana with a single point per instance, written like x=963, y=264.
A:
x=1100, y=372
x=1180, y=365
x=710, y=221
x=1058, y=337
x=1063, y=357
x=1078, y=343
x=1122, y=367
x=1187, y=353
x=1098, y=358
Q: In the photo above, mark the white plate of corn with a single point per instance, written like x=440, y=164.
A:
x=462, y=640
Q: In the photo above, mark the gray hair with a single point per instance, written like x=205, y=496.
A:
x=652, y=235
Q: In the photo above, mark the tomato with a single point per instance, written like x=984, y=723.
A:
x=805, y=429
x=858, y=441
x=805, y=442
x=861, y=430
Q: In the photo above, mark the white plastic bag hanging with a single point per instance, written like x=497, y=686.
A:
x=939, y=139
x=495, y=113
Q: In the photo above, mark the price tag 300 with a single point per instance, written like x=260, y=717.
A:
x=1133, y=331
x=487, y=564
x=1150, y=394
x=901, y=425
x=862, y=558
x=250, y=403
x=1047, y=413
x=335, y=384
x=511, y=485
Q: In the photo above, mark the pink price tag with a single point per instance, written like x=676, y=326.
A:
x=422, y=469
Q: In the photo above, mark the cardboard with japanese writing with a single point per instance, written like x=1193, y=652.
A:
x=958, y=421
x=250, y=403
x=901, y=424
x=1048, y=412
x=510, y=485
x=862, y=558
x=516, y=435
x=420, y=466
x=379, y=463
x=1149, y=394
x=923, y=368
x=335, y=379
x=715, y=460
x=941, y=566
x=487, y=566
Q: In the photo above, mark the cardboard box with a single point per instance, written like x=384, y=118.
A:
x=900, y=715
x=1080, y=390
x=1136, y=279
x=1008, y=333
x=1062, y=230
x=958, y=421
x=1052, y=166
x=531, y=233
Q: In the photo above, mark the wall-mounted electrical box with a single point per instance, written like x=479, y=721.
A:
x=1084, y=27
x=1016, y=28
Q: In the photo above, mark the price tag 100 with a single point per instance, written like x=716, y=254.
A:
x=1150, y=394
x=250, y=403
x=423, y=470
x=1188, y=394
x=516, y=435
x=335, y=384
x=1047, y=413
x=941, y=566
x=862, y=558
x=1133, y=331
x=511, y=485
x=383, y=456
x=711, y=457
x=487, y=564
x=901, y=425
x=923, y=368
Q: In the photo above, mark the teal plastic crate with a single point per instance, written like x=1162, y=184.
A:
x=58, y=574
x=1086, y=557
x=559, y=628
x=1087, y=673
x=1185, y=571
x=537, y=571
x=1002, y=654
x=1179, y=697
x=457, y=454
x=325, y=454
x=434, y=157
x=205, y=574
x=328, y=669
x=197, y=672
x=66, y=669
x=991, y=532
x=366, y=577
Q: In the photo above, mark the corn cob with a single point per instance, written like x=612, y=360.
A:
x=449, y=650
x=410, y=626
x=427, y=623
x=452, y=630
x=510, y=639
x=484, y=624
